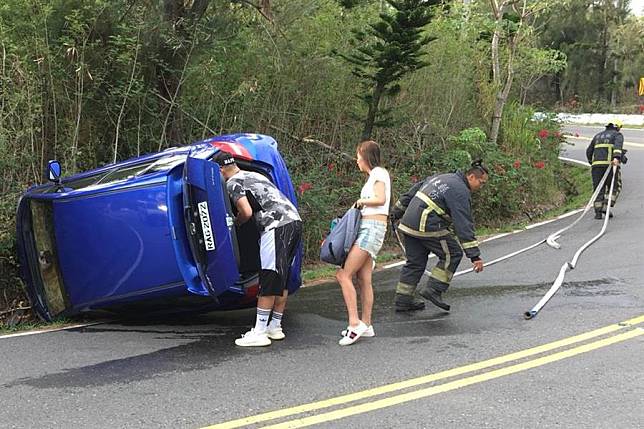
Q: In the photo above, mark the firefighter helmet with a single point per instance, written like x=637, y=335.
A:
x=615, y=123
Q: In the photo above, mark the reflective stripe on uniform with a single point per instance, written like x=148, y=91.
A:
x=609, y=154
x=431, y=206
x=422, y=234
x=423, y=219
x=440, y=274
x=470, y=244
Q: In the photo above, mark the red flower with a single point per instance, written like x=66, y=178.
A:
x=330, y=166
x=517, y=164
x=543, y=134
x=304, y=186
x=540, y=165
x=414, y=179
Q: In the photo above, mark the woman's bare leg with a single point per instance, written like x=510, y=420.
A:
x=366, y=290
x=355, y=260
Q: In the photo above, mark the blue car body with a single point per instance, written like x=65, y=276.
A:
x=155, y=230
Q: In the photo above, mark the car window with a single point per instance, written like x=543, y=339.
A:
x=77, y=183
x=142, y=169
x=127, y=172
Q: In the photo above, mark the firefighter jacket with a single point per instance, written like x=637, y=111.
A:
x=605, y=147
x=438, y=206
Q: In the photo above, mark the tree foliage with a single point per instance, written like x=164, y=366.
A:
x=603, y=44
x=386, y=51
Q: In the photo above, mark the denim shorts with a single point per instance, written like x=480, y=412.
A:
x=371, y=236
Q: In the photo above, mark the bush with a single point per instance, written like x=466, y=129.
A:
x=11, y=291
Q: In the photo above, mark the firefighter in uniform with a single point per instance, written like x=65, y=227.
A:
x=605, y=150
x=435, y=217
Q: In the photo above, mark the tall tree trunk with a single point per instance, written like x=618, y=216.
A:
x=169, y=78
x=613, y=91
x=48, y=131
x=373, y=111
x=604, y=49
x=502, y=84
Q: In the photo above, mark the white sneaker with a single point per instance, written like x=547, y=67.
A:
x=275, y=333
x=253, y=339
x=353, y=334
x=368, y=333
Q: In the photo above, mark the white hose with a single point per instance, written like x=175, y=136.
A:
x=554, y=288
x=575, y=258
x=562, y=272
x=502, y=258
x=552, y=238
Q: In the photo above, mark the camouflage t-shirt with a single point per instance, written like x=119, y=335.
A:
x=271, y=208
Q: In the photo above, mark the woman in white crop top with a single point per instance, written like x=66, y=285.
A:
x=374, y=204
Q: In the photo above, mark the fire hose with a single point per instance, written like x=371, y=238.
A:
x=562, y=272
x=552, y=238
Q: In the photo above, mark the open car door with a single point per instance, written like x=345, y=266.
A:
x=208, y=223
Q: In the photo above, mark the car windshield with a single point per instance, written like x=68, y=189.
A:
x=137, y=170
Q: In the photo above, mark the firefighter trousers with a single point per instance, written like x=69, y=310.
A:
x=601, y=202
x=446, y=248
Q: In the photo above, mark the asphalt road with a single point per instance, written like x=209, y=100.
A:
x=187, y=373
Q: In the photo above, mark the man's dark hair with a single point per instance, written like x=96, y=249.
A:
x=223, y=158
x=477, y=169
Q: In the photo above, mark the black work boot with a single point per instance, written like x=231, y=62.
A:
x=598, y=215
x=610, y=215
x=435, y=296
x=406, y=299
x=408, y=303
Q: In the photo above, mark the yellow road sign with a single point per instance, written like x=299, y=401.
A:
x=641, y=87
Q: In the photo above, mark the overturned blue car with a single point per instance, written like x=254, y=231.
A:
x=153, y=232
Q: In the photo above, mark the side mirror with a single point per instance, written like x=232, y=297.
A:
x=54, y=171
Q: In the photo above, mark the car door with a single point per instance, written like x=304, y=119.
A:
x=209, y=225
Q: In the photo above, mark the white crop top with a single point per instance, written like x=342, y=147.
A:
x=377, y=174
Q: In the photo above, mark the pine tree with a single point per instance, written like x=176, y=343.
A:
x=388, y=50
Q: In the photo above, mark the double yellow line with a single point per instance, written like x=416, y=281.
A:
x=629, y=326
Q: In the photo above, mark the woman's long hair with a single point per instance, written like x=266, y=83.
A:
x=370, y=151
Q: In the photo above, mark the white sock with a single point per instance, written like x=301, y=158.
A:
x=276, y=320
x=261, y=321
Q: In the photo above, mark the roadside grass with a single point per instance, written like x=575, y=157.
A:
x=35, y=325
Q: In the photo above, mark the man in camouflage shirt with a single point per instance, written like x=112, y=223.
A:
x=280, y=228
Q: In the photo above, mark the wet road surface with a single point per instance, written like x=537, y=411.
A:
x=186, y=372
